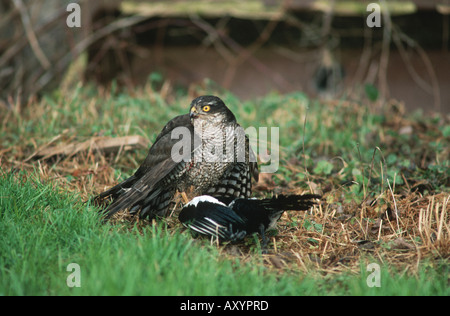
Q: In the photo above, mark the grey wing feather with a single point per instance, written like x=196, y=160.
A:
x=158, y=164
x=162, y=147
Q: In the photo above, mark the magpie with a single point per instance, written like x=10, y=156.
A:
x=208, y=216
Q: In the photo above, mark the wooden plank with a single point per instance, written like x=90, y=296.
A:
x=420, y=4
x=103, y=144
x=267, y=9
x=249, y=9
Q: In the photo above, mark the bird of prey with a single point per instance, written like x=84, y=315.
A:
x=205, y=150
x=208, y=216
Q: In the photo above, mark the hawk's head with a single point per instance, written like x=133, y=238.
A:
x=210, y=108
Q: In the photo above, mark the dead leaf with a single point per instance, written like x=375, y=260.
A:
x=400, y=243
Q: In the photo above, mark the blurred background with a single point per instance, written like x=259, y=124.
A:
x=323, y=48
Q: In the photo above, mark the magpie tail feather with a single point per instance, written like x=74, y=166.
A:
x=286, y=202
x=293, y=202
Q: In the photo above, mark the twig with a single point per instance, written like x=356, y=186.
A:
x=303, y=151
x=8, y=17
x=84, y=44
x=395, y=204
x=21, y=41
x=31, y=35
x=242, y=53
x=364, y=60
x=434, y=89
x=385, y=50
x=214, y=37
x=43, y=147
x=327, y=20
x=390, y=190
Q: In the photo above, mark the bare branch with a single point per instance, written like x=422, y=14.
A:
x=31, y=35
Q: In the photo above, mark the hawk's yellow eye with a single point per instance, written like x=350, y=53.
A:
x=206, y=108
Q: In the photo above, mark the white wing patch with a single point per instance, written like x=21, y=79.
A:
x=209, y=227
x=204, y=198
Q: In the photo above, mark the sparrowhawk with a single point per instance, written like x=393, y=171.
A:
x=206, y=150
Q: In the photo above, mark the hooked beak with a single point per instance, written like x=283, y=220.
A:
x=193, y=113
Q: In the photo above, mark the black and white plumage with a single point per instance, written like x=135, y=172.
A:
x=208, y=216
x=206, y=150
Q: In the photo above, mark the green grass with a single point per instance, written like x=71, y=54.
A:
x=43, y=230
x=342, y=139
x=349, y=152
